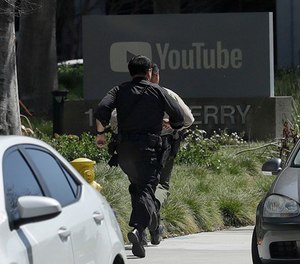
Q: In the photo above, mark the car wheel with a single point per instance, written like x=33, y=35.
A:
x=254, y=250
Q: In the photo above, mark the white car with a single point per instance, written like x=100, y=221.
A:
x=48, y=213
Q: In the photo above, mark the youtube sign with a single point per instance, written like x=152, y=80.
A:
x=199, y=55
x=122, y=52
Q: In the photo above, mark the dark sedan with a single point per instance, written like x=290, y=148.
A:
x=276, y=236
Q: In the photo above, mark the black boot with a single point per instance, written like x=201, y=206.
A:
x=155, y=217
x=135, y=237
x=154, y=222
x=156, y=235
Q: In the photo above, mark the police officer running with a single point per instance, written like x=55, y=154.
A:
x=140, y=107
x=171, y=140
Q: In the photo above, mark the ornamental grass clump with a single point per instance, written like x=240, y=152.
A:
x=216, y=181
x=211, y=187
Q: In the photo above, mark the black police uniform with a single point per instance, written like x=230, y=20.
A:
x=140, y=107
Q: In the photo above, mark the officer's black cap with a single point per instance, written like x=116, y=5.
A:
x=139, y=65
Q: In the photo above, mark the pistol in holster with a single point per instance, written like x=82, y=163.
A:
x=112, y=147
x=165, y=151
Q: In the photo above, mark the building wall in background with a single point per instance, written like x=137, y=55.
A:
x=288, y=33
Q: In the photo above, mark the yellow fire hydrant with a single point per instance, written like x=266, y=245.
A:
x=86, y=168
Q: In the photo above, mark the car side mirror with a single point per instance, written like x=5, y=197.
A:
x=38, y=207
x=272, y=167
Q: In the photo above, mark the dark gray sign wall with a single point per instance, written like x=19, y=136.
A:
x=255, y=118
x=200, y=55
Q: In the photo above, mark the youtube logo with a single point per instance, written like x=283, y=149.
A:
x=122, y=52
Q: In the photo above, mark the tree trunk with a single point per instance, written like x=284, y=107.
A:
x=164, y=7
x=10, y=123
x=37, y=60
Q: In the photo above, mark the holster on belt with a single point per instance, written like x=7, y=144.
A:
x=112, y=147
x=165, y=151
x=113, y=143
x=154, y=141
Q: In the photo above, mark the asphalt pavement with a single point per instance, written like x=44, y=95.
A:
x=231, y=246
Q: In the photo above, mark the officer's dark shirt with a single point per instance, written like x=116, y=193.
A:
x=140, y=107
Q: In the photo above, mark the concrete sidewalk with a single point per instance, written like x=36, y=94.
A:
x=232, y=246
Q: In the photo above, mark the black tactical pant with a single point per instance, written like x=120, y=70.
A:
x=162, y=191
x=138, y=158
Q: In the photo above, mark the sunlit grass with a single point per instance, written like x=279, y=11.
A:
x=202, y=198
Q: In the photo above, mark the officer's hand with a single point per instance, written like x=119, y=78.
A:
x=166, y=123
x=101, y=141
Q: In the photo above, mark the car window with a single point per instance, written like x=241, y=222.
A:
x=297, y=159
x=19, y=180
x=72, y=182
x=53, y=175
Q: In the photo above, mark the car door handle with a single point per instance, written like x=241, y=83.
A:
x=64, y=233
x=98, y=217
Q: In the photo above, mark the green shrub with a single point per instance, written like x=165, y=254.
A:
x=196, y=148
x=70, y=77
x=199, y=149
x=287, y=82
x=73, y=147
